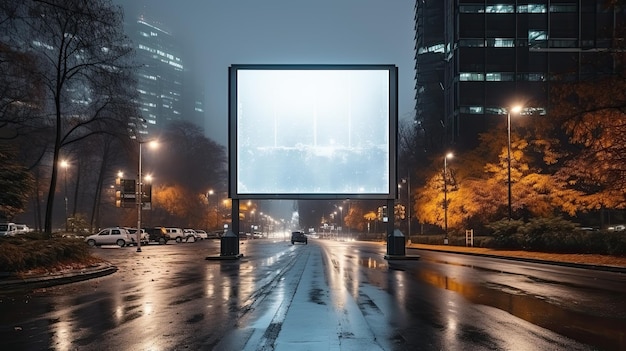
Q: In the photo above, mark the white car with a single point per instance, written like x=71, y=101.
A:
x=133, y=235
x=190, y=234
x=110, y=236
x=175, y=234
x=8, y=229
x=202, y=234
x=22, y=229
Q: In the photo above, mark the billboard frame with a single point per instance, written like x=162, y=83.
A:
x=392, y=130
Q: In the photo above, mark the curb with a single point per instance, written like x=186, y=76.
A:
x=614, y=269
x=36, y=282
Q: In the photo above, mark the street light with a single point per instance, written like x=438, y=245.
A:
x=407, y=180
x=341, y=220
x=445, y=194
x=139, y=194
x=514, y=109
x=65, y=164
x=208, y=202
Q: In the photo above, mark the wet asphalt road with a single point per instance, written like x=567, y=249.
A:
x=327, y=295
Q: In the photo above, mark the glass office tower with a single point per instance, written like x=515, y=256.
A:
x=476, y=59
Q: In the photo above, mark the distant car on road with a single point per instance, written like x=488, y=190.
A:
x=299, y=237
x=110, y=236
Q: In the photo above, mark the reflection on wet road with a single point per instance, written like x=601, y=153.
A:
x=327, y=295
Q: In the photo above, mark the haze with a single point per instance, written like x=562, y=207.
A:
x=216, y=34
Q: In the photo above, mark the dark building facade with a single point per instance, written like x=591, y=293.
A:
x=169, y=90
x=477, y=59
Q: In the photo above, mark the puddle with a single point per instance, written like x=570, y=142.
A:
x=603, y=332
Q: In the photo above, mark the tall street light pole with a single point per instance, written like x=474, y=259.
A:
x=407, y=180
x=64, y=164
x=341, y=219
x=445, y=194
x=514, y=109
x=138, y=199
x=208, y=201
x=139, y=195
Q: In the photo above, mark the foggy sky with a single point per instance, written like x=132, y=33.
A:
x=218, y=33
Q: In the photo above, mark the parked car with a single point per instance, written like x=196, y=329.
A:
x=299, y=237
x=202, y=234
x=22, y=229
x=8, y=229
x=190, y=234
x=110, y=236
x=157, y=234
x=175, y=234
x=144, y=237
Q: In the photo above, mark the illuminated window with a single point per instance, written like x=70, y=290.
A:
x=499, y=77
x=501, y=42
x=537, y=38
x=472, y=110
x=471, y=77
x=532, y=8
x=500, y=8
x=434, y=48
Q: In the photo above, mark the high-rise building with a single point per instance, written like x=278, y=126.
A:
x=477, y=59
x=160, y=76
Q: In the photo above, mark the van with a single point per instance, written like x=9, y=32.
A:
x=8, y=229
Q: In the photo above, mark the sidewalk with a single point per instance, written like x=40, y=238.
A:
x=586, y=261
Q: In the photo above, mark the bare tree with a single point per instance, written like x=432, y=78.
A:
x=82, y=61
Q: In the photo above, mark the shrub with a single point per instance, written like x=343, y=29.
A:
x=546, y=234
x=19, y=254
x=505, y=233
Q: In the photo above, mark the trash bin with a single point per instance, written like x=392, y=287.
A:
x=396, y=244
x=229, y=244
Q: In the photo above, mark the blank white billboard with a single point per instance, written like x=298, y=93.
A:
x=323, y=131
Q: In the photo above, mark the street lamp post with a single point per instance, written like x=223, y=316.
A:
x=208, y=201
x=407, y=180
x=64, y=164
x=341, y=220
x=139, y=195
x=445, y=194
x=515, y=109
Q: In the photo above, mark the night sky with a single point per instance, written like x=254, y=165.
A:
x=218, y=33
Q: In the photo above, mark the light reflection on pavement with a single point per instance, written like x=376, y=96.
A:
x=327, y=295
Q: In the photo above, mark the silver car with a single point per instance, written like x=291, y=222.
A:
x=110, y=236
x=202, y=234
